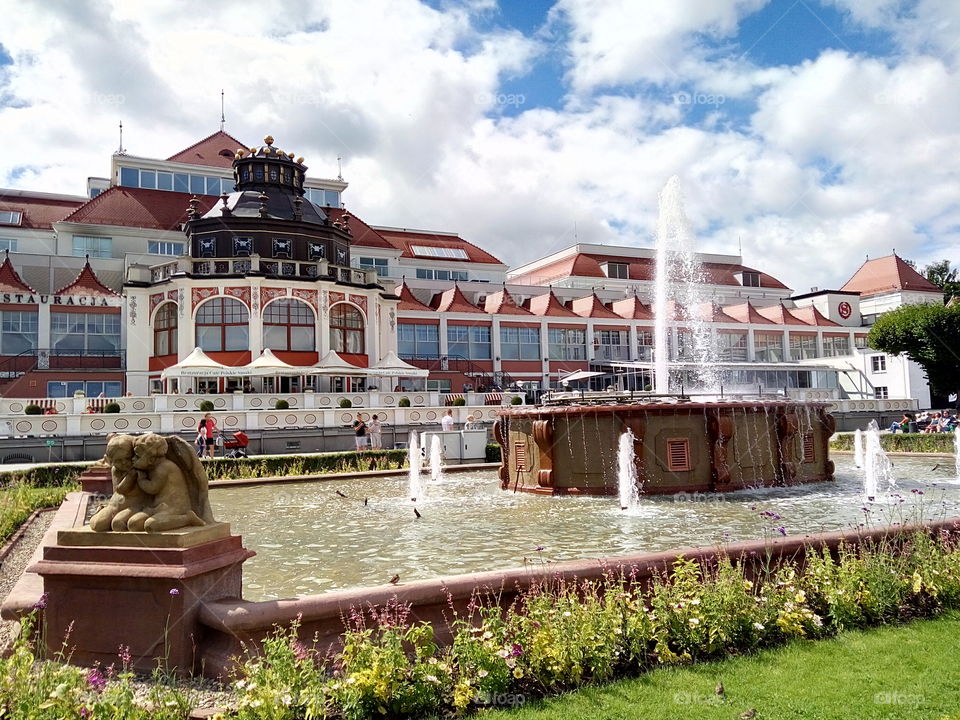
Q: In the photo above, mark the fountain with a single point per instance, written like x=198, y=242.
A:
x=878, y=470
x=436, y=459
x=858, y=448
x=627, y=480
x=415, y=486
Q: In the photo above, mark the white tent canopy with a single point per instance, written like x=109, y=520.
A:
x=197, y=364
x=333, y=364
x=393, y=366
x=270, y=364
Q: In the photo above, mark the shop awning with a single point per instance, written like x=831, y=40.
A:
x=197, y=364
x=269, y=364
x=333, y=364
x=392, y=366
x=580, y=375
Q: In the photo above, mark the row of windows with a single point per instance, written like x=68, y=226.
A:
x=175, y=182
x=73, y=333
x=102, y=247
x=90, y=388
x=323, y=198
x=223, y=325
x=431, y=274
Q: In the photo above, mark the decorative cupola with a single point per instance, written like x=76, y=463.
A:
x=268, y=168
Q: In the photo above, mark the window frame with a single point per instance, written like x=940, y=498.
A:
x=239, y=317
x=163, y=328
x=305, y=317
x=340, y=333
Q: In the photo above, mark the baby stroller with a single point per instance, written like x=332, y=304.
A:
x=237, y=447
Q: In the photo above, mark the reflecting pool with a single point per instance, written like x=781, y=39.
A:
x=309, y=539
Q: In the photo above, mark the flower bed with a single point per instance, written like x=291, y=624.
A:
x=320, y=464
x=556, y=636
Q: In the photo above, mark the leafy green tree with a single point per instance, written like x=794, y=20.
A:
x=944, y=277
x=929, y=335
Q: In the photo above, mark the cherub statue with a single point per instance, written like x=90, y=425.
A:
x=128, y=498
x=171, y=473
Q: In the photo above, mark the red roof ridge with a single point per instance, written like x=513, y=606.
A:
x=591, y=306
x=502, y=302
x=887, y=274
x=632, y=308
x=453, y=300
x=87, y=280
x=548, y=304
x=10, y=280
x=781, y=315
x=138, y=207
x=222, y=161
x=745, y=312
x=816, y=317
x=409, y=301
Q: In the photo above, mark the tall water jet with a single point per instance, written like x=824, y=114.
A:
x=627, y=479
x=413, y=462
x=858, y=448
x=878, y=470
x=436, y=459
x=679, y=290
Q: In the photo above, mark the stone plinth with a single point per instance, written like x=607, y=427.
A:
x=146, y=598
x=182, y=538
x=96, y=480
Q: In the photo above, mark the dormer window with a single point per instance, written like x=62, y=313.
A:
x=10, y=217
x=620, y=271
x=750, y=278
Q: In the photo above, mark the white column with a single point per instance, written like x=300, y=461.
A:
x=495, y=345
x=442, y=336
x=591, y=352
x=633, y=352
x=786, y=345
x=751, y=347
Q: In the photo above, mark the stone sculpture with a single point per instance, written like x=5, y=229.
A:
x=159, y=484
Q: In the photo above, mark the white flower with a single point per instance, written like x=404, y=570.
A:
x=487, y=635
x=482, y=673
x=695, y=601
x=566, y=613
x=694, y=621
x=758, y=626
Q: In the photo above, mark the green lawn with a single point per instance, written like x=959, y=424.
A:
x=18, y=501
x=908, y=672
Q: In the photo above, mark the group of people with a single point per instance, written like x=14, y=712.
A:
x=368, y=434
x=928, y=421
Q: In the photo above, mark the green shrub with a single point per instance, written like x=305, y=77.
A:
x=111, y=407
x=206, y=406
x=282, y=405
x=493, y=453
x=32, y=409
x=901, y=442
x=345, y=403
x=404, y=402
x=304, y=465
x=459, y=402
x=516, y=400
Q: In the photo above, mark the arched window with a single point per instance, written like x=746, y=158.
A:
x=165, y=330
x=346, y=329
x=223, y=324
x=289, y=325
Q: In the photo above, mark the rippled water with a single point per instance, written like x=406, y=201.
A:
x=309, y=540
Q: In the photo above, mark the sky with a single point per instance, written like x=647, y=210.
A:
x=807, y=134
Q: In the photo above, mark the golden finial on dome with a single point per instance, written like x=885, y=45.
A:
x=241, y=152
x=290, y=155
x=300, y=160
x=268, y=139
x=253, y=151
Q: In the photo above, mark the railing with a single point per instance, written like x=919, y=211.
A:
x=461, y=365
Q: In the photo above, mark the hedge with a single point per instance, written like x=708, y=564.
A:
x=44, y=475
x=493, y=453
x=283, y=465
x=902, y=442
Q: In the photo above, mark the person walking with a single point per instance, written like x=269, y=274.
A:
x=446, y=423
x=360, y=430
x=208, y=428
x=375, y=430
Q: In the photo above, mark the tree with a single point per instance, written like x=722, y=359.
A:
x=929, y=335
x=945, y=278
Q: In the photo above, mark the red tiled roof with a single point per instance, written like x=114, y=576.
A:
x=38, y=213
x=403, y=240
x=363, y=234
x=137, y=207
x=746, y=313
x=408, y=301
x=453, y=300
x=86, y=283
x=577, y=266
x=503, y=303
x=632, y=309
x=207, y=151
x=547, y=304
x=780, y=315
x=711, y=312
x=811, y=316
x=592, y=307
x=9, y=279
x=887, y=274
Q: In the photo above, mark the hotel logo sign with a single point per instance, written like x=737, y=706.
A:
x=60, y=300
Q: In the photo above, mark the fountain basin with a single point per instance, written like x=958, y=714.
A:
x=678, y=447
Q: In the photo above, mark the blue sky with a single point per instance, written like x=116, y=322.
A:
x=811, y=133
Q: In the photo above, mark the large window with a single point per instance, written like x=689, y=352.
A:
x=176, y=182
x=165, y=330
x=469, y=341
x=18, y=332
x=91, y=388
x=289, y=325
x=878, y=363
x=223, y=324
x=803, y=347
x=685, y=347
x=611, y=345
x=836, y=346
x=618, y=270
x=95, y=247
x=77, y=333
x=520, y=343
x=567, y=343
x=430, y=274
x=768, y=347
x=8, y=244
x=164, y=247
x=418, y=340
x=378, y=264
x=732, y=346
x=346, y=329
x=10, y=217
x=645, y=345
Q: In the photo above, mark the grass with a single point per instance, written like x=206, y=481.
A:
x=901, y=442
x=17, y=501
x=904, y=672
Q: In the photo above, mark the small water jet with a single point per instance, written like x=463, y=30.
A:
x=415, y=486
x=627, y=479
x=436, y=459
x=858, y=448
x=878, y=470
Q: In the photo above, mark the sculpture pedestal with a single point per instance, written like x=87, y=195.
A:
x=108, y=595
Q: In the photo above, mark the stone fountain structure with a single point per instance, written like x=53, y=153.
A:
x=678, y=446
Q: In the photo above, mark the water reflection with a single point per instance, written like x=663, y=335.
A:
x=309, y=540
